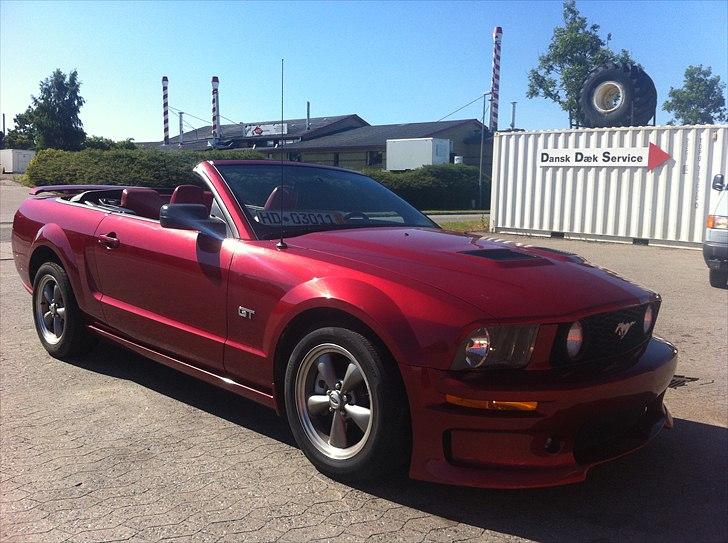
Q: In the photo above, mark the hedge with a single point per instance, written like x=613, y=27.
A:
x=141, y=167
x=444, y=186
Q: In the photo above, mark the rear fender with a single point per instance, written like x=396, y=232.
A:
x=73, y=261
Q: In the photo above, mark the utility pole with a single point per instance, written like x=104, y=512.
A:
x=513, y=115
x=482, y=143
x=181, y=129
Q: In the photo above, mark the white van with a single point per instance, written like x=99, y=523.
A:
x=715, y=246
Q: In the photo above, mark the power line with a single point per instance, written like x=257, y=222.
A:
x=481, y=97
x=189, y=114
x=201, y=119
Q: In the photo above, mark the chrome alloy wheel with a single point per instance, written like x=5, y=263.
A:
x=50, y=310
x=333, y=401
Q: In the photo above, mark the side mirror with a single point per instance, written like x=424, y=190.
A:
x=191, y=217
x=719, y=182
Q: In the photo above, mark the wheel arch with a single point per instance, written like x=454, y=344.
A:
x=52, y=243
x=309, y=320
x=40, y=255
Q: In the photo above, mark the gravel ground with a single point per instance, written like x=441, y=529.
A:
x=115, y=447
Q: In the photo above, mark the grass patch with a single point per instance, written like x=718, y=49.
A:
x=454, y=211
x=480, y=225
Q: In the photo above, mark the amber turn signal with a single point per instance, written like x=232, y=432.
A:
x=491, y=404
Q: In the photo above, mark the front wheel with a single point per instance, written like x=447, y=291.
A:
x=346, y=405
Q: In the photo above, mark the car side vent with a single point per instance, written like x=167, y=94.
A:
x=500, y=254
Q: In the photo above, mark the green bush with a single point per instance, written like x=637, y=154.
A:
x=442, y=186
x=140, y=167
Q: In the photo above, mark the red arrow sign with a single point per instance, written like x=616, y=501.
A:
x=655, y=157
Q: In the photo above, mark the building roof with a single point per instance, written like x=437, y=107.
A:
x=377, y=135
x=198, y=138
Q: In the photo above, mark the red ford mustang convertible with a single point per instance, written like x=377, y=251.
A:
x=387, y=342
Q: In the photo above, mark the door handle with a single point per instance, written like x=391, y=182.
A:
x=110, y=241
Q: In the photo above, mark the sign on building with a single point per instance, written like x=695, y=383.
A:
x=638, y=157
x=275, y=129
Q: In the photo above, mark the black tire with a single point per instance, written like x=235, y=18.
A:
x=718, y=278
x=74, y=340
x=385, y=450
x=635, y=106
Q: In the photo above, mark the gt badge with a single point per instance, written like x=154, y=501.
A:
x=623, y=328
x=245, y=312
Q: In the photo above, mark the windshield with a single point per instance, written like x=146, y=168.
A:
x=307, y=198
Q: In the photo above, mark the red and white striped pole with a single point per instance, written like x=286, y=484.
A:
x=165, y=109
x=215, y=110
x=495, y=83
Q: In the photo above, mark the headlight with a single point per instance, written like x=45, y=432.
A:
x=574, y=340
x=496, y=347
x=717, y=221
x=649, y=319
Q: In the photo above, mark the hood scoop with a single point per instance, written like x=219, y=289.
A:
x=508, y=257
x=500, y=254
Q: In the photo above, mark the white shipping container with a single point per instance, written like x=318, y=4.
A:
x=408, y=154
x=15, y=160
x=625, y=184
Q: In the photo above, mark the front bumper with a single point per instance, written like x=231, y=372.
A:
x=715, y=254
x=579, y=423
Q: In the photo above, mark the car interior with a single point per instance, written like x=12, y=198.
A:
x=146, y=202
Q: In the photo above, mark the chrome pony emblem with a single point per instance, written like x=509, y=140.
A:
x=622, y=329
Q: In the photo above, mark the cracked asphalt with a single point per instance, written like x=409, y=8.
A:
x=114, y=447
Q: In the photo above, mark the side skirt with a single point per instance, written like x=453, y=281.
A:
x=212, y=378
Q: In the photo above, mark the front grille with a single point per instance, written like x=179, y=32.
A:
x=606, y=335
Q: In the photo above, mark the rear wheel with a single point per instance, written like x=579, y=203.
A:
x=719, y=278
x=58, y=320
x=346, y=405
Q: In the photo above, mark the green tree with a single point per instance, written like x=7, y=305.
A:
x=575, y=50
x=23, y=135
x=105, y=144
x=56, y=113
x=700, y=100
x=98, y=142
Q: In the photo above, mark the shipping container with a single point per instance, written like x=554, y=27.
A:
x=408, y=154
x=637, y=184
x=15, y=160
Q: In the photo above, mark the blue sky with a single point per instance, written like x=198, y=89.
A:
x=389, y=62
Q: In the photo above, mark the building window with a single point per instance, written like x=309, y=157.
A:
x=374, y=158
x=294, y=157
x=336, y=159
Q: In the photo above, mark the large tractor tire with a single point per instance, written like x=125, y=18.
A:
x=617, y=95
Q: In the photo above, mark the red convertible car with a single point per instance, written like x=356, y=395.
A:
x=388, y=343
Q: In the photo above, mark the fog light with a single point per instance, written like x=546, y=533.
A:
x=649, y=319
x=574, y=339
x=491, y=404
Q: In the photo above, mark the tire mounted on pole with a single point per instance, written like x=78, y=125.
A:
x=617, y=95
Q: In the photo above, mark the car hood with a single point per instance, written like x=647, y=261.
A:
x=505, y=280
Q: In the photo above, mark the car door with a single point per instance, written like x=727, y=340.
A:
x=165, y=288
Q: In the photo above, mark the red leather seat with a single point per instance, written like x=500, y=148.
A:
x=208, y=198
x=187, y=194
x=192, y=194
x=143, y=202
x=282, y=197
